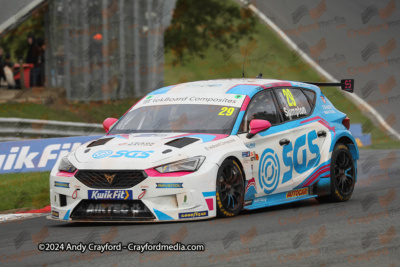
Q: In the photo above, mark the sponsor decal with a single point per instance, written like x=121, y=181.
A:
x=222, y=99
x=169, y=185
x=294, y=111
x=260, y=199
x=188, y=99
x=219, y=144
x=246, y=160
x=75, y=194
x=195, y=214
x=102, y=154
x=269, y=166
x=251, y=145
x=184, y=199
x=253, y=156
x=110, y=194
x=54, y=214
x=134, y=154
x=297, y=193
x=142, y=194
x=140, y=144
x=246, y=154
x=37, y=155
x=299, y=146
x=116, y=209
x=251, y=189
x=328, y=109
x=151, y=135
x=323, y=99
x=61, y=184
x=269, y=171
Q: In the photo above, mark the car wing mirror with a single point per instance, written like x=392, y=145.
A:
x=257, y=126
x=107, y=123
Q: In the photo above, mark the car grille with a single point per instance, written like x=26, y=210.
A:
x=110, y=179
x=112, y=210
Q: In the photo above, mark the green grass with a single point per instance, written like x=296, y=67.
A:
x=36, y=111
x=24, y=190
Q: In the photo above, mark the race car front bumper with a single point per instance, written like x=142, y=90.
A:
x=159, y=197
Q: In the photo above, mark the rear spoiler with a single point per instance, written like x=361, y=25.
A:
x=346, y=85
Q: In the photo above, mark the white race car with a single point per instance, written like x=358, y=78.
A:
x=210, y=148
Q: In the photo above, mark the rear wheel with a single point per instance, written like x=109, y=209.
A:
x=343, y=175
x=230, y=189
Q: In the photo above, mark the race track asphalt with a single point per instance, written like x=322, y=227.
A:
x=363, y=231
x=356, y=39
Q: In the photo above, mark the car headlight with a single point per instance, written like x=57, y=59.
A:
x=190, y=164
x=66, y=166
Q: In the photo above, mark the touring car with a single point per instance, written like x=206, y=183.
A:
x=210, y=148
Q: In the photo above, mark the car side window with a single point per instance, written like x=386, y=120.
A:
x=261, y=107
x=293, y=102
x=311, y=96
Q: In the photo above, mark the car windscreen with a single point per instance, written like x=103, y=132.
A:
x=185, y=118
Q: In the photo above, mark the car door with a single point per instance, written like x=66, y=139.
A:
x=267, y=151
x=307, y=135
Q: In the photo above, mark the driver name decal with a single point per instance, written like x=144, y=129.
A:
x=294, y=111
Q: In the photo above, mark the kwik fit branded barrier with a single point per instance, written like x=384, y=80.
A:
x=37, y=155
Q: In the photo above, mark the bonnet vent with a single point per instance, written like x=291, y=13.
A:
x=99, y=142
x=182, y=142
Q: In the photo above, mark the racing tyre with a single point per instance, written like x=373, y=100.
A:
x=343, y=175
x=230, y=189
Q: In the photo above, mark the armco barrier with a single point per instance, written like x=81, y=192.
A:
x=37, y=155
x=17, y=128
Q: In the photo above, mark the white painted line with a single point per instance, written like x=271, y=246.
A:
x=20, y=13
x=358, y=100
x=5, y=218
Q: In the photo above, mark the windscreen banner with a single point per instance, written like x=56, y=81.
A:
x=37, y=155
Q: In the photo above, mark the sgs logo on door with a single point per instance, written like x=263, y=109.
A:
x=269, y=159
x=300, y=147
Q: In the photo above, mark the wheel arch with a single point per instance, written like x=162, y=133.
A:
x=351, y=144
x=241, y=167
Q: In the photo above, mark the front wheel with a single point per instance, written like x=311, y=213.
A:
x=230, y=189
x=343, y=175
